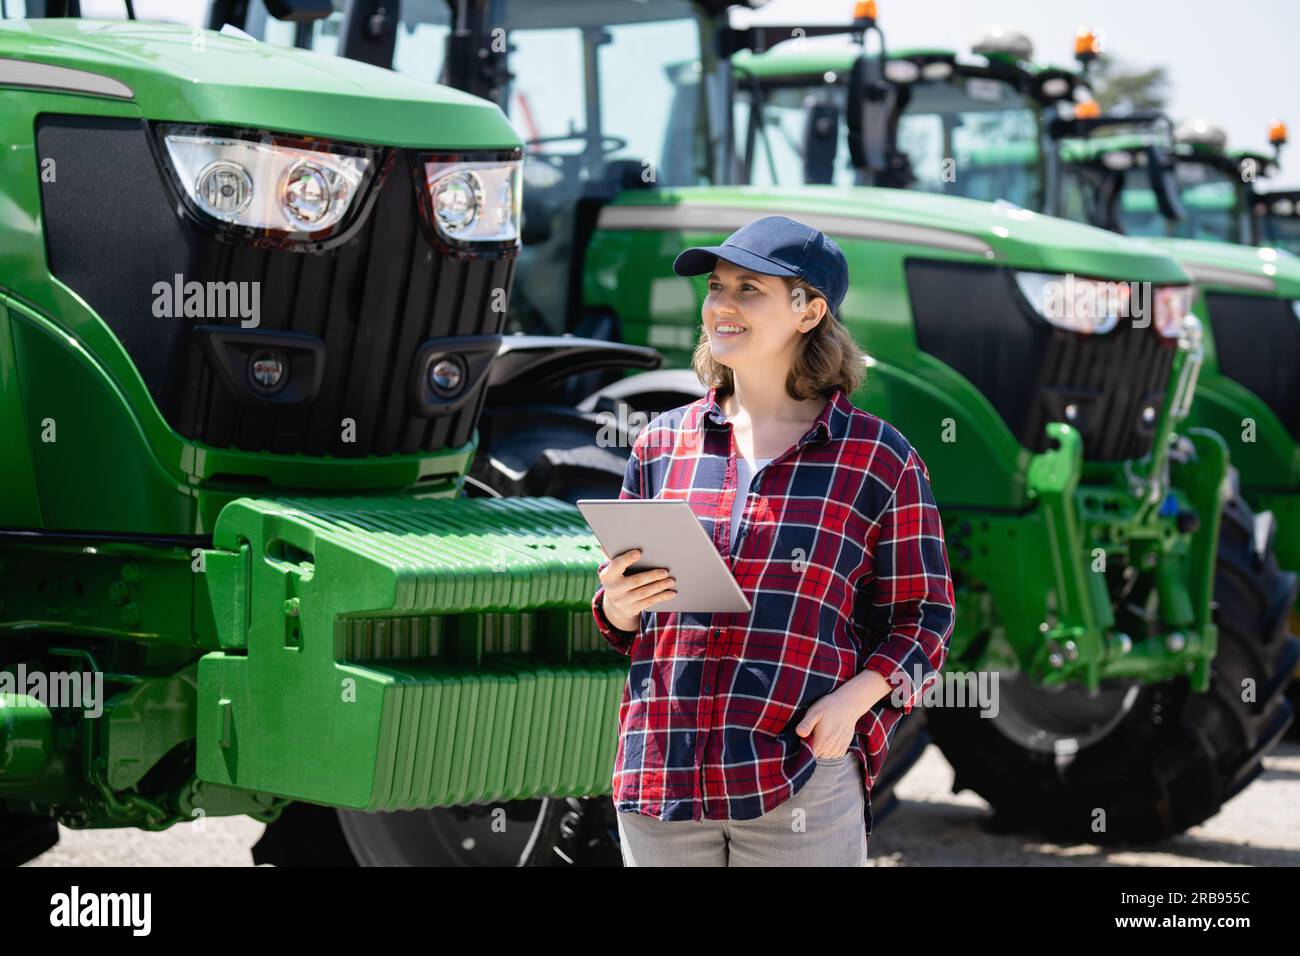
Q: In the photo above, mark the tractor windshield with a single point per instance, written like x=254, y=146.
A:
x=793, y=134
x=613, y=52
x=974, y=137
x=965, y=136
x=607, y=97
x=1210, y=198
x=418, y=50
x=1279, y=221
x=161, y=11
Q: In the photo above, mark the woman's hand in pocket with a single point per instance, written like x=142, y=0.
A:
x=627, y=595
x=830, y=723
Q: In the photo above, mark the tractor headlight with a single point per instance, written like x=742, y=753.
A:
x=224, y=188
x=475, y=201
x=1091, y=306
x=1095, y=306
x=266, y=184
x=1171, y=305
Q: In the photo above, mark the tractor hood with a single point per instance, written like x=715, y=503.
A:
x=1228, y=266
x=1076, y=150
x=783, y=60
x=993, y=232
x=175, y=73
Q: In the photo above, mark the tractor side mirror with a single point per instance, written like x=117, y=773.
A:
x=1164, y=182
x=867, y=119
x=369, y=32
x=1104, y=211
x=868, y=115
x=821, y=134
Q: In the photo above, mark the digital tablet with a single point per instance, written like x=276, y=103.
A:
x=669, y=536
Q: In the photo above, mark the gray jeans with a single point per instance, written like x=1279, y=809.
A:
x=821, y=825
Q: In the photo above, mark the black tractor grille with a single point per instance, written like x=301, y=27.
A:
x=1110, y=387
x=1257, y=340
x=113, y=233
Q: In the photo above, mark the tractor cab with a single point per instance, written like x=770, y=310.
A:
x=1277, y=213
x=968, y=125
x=991, y=125
x=1195, y=189
x=1136, y=172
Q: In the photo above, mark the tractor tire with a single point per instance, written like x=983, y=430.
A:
x=1293, y=695
x=1139, y=763
x=304, y=834
x=1252, y=583
x=24, y=838
x=911, y=738
x=547, y=832
x=552, y=451
x=579, y=451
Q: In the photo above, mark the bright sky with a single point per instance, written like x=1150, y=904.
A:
x=1235, y=64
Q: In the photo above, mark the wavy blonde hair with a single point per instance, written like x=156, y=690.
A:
x=827, y=357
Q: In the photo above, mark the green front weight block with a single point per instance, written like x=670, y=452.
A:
x=396, y=653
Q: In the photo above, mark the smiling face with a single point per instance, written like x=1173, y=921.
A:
x=755, y=321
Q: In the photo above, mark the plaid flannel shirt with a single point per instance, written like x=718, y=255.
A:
x=840, y=550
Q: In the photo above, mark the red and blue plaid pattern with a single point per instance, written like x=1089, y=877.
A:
x=840, y=550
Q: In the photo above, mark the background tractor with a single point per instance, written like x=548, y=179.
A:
x=1082, y=518
x=1277, y=217
x=993, y=125
x=1182, y=187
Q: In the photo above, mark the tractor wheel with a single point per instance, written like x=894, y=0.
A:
x=1252, y=583
x=24, y=838
x=911, y=737
x=1293, y=695
x=550, y=451
x=546, y=832
x=304, y=834
x=574, y=452
x=1138, y=763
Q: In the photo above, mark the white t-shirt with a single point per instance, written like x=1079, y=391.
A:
x=744, y=476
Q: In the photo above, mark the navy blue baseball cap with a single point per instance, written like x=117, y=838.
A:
x=777, y=246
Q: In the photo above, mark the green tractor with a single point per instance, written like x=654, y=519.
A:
x=993, y=125
x=1082, y=517
x=1184, y=189
x=1139, y=174
x=251, y=302
x=1276, y=212
x=265, y=294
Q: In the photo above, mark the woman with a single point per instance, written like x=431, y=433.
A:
x=753, y=738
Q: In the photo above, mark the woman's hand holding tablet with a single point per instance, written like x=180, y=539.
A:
x=669, y=541
x=626, y=596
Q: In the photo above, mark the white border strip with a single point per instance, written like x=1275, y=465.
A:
x=731, y=218
x=1238, y=279
x=63, y=79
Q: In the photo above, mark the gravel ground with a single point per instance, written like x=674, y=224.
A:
x=932, y=827
x=935, y=827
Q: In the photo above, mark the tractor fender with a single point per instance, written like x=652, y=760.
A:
x=541, y=361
